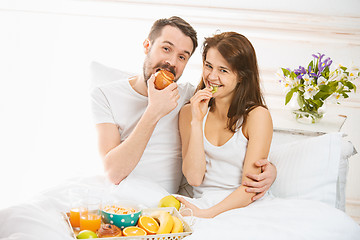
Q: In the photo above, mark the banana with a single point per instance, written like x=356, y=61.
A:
x=166, y=221
x=178, y=227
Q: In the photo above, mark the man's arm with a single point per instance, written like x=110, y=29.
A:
x=120, y=158
x=262, y=182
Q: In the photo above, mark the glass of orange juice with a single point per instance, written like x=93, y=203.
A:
x=90, y=218
x=76, y=196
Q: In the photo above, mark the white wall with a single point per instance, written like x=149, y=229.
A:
x=46, y=130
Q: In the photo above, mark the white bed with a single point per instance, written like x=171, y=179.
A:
x=308, y=202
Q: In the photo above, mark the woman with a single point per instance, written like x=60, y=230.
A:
x=226, y=127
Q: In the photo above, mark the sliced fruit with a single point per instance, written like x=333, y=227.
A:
x=166, y=221
x=178, y=226
x=169, y=201
x=214, y=89
x=149, y=224
x=134, y=231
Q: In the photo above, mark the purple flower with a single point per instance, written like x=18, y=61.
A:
x=312, y=74
x=300, y=72
x=322, y=65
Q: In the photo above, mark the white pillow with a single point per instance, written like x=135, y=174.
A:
x=347, y=151
x=312, y=168
x=101, y=74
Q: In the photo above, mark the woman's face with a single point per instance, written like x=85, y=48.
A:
x=217, y=72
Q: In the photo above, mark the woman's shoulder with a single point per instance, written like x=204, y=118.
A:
x=185, y=112
x=258, y=112
x=258, y=119
x=186, y=109
x=185, y=115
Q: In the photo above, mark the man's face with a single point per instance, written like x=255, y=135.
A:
x=170, y=51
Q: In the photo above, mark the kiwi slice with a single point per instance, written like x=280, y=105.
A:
x=214, y=89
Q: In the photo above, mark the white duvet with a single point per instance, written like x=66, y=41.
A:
x=268, y=219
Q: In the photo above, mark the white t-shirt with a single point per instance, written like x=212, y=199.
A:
x=118, y=103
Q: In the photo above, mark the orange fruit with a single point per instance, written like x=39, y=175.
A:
x=134, y=231
x=149, y=224
x=163, y=78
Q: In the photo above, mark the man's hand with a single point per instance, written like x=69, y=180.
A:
x=161, y=102
x=263, y=181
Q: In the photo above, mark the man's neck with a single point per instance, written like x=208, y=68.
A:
x=139, y=85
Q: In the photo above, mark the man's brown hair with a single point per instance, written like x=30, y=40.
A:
x=177, y=22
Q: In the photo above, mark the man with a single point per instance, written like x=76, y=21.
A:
x=137, y=124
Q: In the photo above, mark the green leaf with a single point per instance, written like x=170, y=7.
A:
x=318, y=103
x=300, y=100
x=326, y=89
x=332, y=84
x=343, y=68
x=326, y=73
x=289, y=95
x=285, y=71
x=345, y=95
x=311, y=64
x=322, y=95
x=350, y=85
x=316, y=69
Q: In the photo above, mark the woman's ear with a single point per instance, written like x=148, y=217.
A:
x=146, y=45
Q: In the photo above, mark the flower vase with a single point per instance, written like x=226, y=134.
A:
x=304, y=111
x=307, y=117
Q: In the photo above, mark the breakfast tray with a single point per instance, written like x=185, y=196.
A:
x=148, y=211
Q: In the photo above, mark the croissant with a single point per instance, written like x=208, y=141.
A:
x=108, y=230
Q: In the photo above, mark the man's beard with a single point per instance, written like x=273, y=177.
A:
x=146, y=74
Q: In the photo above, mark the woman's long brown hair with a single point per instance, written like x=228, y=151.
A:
x=240, y=54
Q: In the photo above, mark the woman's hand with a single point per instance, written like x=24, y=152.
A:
x=197, y=212
x=199, y=104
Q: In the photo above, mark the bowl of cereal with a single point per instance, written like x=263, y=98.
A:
x=121, y=214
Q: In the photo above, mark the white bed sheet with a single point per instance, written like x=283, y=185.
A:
x=268, y=219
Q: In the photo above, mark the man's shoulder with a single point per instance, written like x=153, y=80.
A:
x=186, y=87
x=116, y=83
x=111, y=87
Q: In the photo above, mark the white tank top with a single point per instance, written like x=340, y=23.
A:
x=223, y=164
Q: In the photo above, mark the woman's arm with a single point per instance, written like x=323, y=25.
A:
x=190, y=125
x=258, y=130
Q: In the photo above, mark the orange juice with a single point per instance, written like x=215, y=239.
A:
x=90, y=222
x=75, y=217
